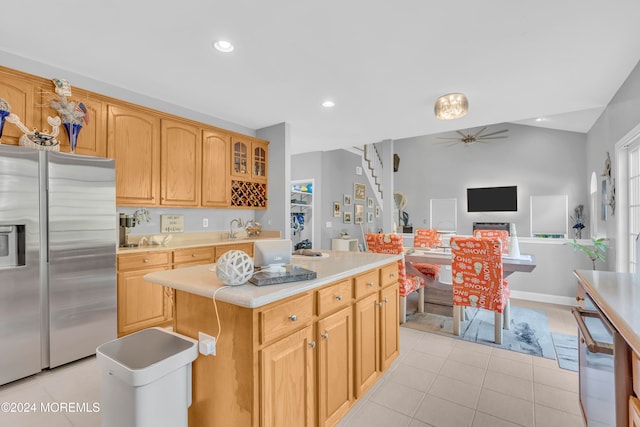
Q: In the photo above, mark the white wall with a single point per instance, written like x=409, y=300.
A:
x=539, y=161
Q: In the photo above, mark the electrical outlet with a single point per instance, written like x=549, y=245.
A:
x=205, y=222
x=206, y=344
x=328, y=224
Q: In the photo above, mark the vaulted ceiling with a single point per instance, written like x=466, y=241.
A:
x=383, y=63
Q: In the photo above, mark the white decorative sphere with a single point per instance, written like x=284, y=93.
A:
x=234, y=268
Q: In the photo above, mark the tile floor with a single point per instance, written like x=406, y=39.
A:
x=436, y=381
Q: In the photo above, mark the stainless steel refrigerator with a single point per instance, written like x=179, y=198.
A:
x=58, y=243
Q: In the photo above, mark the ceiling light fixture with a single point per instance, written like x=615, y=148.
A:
x=540, y=119
x=451, y=106
x=328, y=104
x=223, y=46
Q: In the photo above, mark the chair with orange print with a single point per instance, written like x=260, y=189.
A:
x=503, y=235
x=477, y=279
x=392, y=244
x=426, y=238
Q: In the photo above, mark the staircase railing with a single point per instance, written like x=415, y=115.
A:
x=373, y=167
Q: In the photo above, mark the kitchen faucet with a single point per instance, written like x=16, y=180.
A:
x=233, y=234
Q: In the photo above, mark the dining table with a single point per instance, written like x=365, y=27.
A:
x=440, y=293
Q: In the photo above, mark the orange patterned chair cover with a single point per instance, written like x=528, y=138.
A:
x=503, y=235
x=477, y=273
x=426, y=238
x=392, y=244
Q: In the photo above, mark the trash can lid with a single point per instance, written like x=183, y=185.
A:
x=145, y=348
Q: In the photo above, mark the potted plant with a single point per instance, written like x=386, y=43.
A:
x=597, y=252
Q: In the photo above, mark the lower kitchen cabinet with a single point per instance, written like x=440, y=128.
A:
x=335, y=366
x=300, y=361
x=367, y=343
x=142, y=304
x=287, y=381
x=389, y=332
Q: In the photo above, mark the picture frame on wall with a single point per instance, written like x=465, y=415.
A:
x=358, y=214
x=348, y=218
x=359, y=191
x=346, y=200
x=369, y=217
x=336, y=210
x=370, y=202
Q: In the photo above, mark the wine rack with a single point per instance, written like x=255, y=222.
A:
x=245, y=194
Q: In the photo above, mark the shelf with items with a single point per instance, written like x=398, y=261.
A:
x=301, y=197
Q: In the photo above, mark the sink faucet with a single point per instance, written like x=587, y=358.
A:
x=233, y=234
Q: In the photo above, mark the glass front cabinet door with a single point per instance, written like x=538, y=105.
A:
x=240, y=158
x=259, y=160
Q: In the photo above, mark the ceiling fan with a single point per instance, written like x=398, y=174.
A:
x=469, y=138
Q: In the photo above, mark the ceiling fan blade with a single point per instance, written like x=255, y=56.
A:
x=493, y=137
x=495, y=133
x=479, y=132
x=462, y=134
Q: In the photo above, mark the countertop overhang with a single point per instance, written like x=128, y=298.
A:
x=202, y=280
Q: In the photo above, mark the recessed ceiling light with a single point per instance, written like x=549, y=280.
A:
x=328, y=104
x=540, y=119
x=223, y=46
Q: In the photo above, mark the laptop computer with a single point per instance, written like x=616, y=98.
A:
x=272, y=261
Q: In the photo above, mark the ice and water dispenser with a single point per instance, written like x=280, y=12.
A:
x=11, y=245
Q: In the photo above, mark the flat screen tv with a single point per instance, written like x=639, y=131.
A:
x=492, y=199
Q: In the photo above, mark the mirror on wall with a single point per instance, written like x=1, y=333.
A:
x=549, y=216
x=443, y=214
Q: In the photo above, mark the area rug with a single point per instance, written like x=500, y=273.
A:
x=529, y=332
x=566, y=350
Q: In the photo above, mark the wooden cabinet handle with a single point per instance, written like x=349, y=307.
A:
x=312, y=344
x=370, y=284
x=293, y=317
x=146, y=260
x=579, y=298
x=193, y=255
x=339, y=297
x=386, y=300
x=325, y=336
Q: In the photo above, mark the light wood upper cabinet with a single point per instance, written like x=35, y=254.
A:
x=215, y=169
x=20, y=94
x=133, y=140
x=260, y=161
x=180, y=164
x=249, y=158
x=92, y=138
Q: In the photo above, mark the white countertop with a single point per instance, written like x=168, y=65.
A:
x=618, y=297
x=194, y=240
x=202, y=280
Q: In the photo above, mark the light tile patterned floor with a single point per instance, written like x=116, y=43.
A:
x=437, y=381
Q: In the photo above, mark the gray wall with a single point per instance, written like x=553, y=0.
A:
x=276, y=216
x=539, y=161
x=620, y=117
x=335, y=174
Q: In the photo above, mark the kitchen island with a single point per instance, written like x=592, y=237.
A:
x=293, y=354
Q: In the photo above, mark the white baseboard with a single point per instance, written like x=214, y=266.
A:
x=550, y=299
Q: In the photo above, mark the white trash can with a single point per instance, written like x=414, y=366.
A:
x=146, y=379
